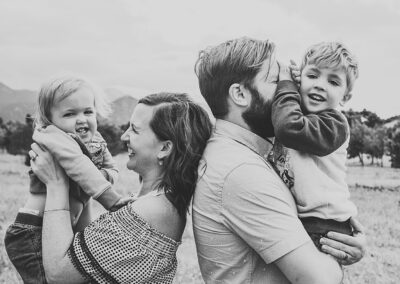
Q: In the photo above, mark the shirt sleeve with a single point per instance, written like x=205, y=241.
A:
x=314, y=133
x=260, y=209
x=77, y=165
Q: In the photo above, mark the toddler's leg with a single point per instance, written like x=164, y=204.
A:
x=23, y=243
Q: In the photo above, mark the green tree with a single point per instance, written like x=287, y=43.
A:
x=374, y=142
x=394, y=146
x=19, y=137
x=112, y=135
x=358, y=132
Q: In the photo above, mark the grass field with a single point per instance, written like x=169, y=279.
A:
x=376, y=192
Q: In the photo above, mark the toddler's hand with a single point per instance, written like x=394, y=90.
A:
x=295, y=72
x=284, y=72
x=122, y=202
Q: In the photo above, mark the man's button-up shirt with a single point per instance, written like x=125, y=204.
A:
x=244, y=217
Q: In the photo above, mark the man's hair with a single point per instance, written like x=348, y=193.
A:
x=234, y=61
x=59, y=88
x=333, y=55
x=187, y=125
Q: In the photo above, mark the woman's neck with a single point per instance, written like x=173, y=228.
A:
x=149, y=184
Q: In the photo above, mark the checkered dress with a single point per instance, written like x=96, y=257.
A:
x=121, y=247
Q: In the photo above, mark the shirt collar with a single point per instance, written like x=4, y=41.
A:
x=243, y=136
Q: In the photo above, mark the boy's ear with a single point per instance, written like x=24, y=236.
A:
x=345, y=99
x=237, y=95
x=166, y=149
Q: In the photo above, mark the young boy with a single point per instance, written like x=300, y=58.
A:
x=311, y=138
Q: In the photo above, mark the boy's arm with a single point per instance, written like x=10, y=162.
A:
x=315, y=133
x=77, y=166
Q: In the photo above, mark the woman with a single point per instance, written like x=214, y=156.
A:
x=138, y=243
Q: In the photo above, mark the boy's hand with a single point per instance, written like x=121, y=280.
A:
x=284, y=72
x=295, y=72
x=122, y=202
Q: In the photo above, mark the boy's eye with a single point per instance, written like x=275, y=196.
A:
x=335, y=83
x=67, y=114
x=311, y=76
x=89, y=112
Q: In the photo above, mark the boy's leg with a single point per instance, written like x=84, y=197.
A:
x=23, y=243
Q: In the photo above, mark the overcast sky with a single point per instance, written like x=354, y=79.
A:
x=149, y=46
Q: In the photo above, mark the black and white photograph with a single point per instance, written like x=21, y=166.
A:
x=212, y=141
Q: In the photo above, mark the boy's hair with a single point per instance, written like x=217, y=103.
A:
x=59, y=88
x=333, y=55
x=234, y=61
x=178, y=119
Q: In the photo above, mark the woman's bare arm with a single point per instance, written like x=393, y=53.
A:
x=57, y=235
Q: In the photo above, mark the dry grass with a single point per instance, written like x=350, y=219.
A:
x=374, y=190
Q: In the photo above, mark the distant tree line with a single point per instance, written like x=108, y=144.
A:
x=368, y=136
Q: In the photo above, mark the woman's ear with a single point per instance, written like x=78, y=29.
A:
x=166, y=149
x=237, y=95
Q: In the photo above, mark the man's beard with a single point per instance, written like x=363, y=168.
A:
x=258, y=116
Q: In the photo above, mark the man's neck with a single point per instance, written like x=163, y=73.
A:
x=237, y=118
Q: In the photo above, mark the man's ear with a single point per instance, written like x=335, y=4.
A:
x=238, y=96
x=166, y=149
x=345, y=99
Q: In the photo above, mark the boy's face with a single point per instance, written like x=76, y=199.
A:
x=76, y=114
x=322, y=88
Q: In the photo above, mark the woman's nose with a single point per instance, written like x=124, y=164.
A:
x=124, y=136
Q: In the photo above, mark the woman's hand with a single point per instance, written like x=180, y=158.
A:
x=46, y=168
x=346, y=249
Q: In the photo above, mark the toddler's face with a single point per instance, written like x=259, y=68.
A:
x=322, y=88
x=76, y=114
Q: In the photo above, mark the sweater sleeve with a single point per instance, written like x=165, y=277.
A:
x=314, y=133
x=76, y=165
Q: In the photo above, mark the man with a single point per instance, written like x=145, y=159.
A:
x=244, y=218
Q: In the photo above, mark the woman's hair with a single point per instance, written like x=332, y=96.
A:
x=187, y=125
x=234, y=61
x=57, y=89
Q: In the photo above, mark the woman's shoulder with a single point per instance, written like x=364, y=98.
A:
x=159, y=212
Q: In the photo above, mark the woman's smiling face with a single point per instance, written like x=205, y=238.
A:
x=143, y=145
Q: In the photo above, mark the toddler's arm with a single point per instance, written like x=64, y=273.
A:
x=109, y=168
x=102, y=157
x=77, y=166
x=315, y=133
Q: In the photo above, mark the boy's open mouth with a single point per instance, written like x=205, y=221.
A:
x=316, y=97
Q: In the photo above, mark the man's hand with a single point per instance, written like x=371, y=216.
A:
x=346, y=249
